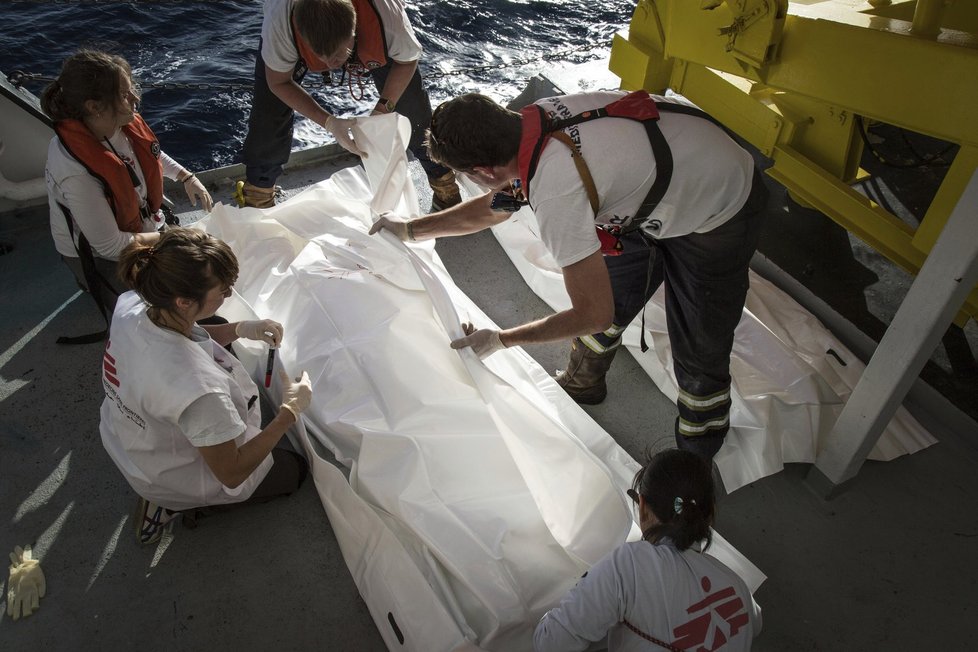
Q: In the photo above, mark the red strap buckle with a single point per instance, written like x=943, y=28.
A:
x=610, y=242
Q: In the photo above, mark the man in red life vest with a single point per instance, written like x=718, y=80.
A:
x=363, y=37
x=630, y=192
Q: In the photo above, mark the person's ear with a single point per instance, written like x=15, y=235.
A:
x=645, y=513
x=93, y=107
x=184, y=303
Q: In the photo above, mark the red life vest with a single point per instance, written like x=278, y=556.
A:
x=370, y=47
x=104, y=165
x=538, y=128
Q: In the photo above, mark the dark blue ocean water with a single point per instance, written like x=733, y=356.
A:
x=214, y=43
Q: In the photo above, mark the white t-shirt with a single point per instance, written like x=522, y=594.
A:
x=687, y=599
x=278, y=46
x=212, y=418
x=70, y=184
x=711, y=177
x=153, y=379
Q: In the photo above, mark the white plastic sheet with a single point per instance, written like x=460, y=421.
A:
x=791, y=376
x=477, y=494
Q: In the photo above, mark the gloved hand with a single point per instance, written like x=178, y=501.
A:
x=484, y=341
x=296, y=394
x=196, y=190
x=399, y=226
x=26, y=585
x=344, y=131
x=262, y=330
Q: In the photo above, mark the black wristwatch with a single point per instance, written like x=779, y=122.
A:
x=387, y=104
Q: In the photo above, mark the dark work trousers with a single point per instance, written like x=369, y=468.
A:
x=289, y=470
x=284, y=478
x=269, y=141
x=706, y=279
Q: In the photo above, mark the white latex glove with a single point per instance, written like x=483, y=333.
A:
x=296, y=394
x=399, y=226
x=196, y=190
x=262, y=330
x=344, y=131
x=26, y=585
x=484, y=341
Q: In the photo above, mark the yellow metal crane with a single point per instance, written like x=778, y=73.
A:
x=794, y=79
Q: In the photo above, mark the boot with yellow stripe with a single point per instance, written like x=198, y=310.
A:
x=584, y=378
x=703, y=421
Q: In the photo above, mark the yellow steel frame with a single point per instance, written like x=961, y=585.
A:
x=792, y=78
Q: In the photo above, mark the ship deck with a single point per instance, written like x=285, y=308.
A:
x=888, y=564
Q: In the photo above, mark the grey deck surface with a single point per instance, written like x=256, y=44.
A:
x=889, y=565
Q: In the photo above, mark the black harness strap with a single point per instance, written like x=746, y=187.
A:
x=93, y=279
x=660, y=152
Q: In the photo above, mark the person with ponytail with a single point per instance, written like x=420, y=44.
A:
x=664, y=591
x=181, y=416
x=104, y=170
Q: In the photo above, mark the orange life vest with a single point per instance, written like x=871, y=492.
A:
x=370, y=44
x=104, y=165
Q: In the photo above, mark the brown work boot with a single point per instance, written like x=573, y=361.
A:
x=583, y=380
x=444, y=191
x=247, y=194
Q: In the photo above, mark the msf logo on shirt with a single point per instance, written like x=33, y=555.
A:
x=108, y=367
x=110, y=382
x=714, y=620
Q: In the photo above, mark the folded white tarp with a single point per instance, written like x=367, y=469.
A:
x=474, y=494
x=791, y=376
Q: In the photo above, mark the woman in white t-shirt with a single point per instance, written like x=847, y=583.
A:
x=662, y=592
x=181, y=416
x=104, y=169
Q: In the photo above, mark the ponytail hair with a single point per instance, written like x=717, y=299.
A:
x=183, y=263
x=85, y=75
x=678, y=487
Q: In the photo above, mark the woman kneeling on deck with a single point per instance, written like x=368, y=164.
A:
x=104, y=170
x=659, y=590
x=181, y=416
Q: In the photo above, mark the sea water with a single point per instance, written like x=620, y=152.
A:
x=488, y=46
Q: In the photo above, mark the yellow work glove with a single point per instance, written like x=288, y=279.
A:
x=26, y=585
x=263, y=330
x=344, y=130
x=296, y=394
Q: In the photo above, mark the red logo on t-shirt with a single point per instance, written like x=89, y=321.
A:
x=720, y=617
x=108, y=367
